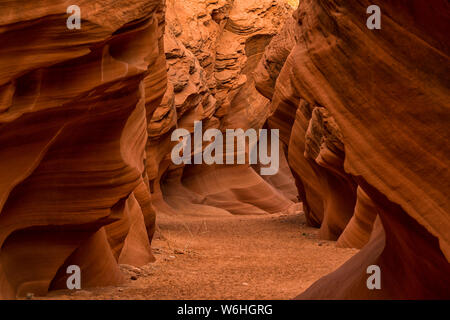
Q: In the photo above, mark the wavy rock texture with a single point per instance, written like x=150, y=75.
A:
x=73, y=106
x=212, y=47
x=86, y=118
x=365, y=117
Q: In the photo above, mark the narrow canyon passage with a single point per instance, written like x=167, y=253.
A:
x=227, y=257
x=224, y=149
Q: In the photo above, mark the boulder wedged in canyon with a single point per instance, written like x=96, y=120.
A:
x=386, y=91
x=211, y=48
x=73, y=108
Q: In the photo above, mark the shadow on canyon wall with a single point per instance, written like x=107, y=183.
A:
x=86, y=118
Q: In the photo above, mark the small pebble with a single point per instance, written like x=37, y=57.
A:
x=30, y=296
x=133, y=278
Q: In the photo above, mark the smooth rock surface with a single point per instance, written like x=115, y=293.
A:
x=72, y=140
x=365, y=118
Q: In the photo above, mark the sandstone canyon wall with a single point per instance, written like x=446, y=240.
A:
x=365, y=116
x=73, y=119
x=85, y=122
x=212, y=48
x=86, y=118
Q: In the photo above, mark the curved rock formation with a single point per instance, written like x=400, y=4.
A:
x=86, y=117
x=212, y=47
x=73, y=107
x=365, y=118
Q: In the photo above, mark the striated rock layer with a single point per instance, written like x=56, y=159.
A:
x=85, y=122
x=73, y=118
x=86, y=118
x=365, y=117
x=212, y=48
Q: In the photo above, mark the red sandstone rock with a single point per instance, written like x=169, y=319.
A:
x=212, y=48
x=72, y=140
x=385, y=92
x=85, y=124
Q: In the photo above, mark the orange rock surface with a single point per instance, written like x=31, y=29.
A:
x=72, y=140
x=211, y=49
x=366, y=123
x=86, y=117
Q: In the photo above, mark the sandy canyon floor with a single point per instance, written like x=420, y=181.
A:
x=228, y=257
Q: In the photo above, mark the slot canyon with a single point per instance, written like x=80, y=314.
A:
x=87, y=176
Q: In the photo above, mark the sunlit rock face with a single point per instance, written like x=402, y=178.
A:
x=364, y=114
x=73, y=130
x=212, y=48
x=86, y=117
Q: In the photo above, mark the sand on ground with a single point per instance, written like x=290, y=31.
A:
x=228, y=257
